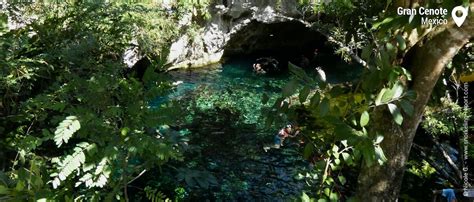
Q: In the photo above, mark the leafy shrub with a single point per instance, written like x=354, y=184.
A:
x=445, y=119
x=70, y=114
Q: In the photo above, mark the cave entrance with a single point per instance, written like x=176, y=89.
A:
x=285, y=41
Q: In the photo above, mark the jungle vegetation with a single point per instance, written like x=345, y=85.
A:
x=77, y=124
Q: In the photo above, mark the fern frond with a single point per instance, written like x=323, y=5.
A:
x=71, y=162
x=154, y=195
x=100, y=176
x=66, y=129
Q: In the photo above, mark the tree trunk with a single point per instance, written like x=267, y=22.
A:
x=429, y=57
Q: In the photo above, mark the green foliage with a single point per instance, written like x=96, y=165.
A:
x=194, y=14
x=334, y=111
x=3, y=22
x=25, y=183
x=305, y=197
x=198, y=8
x=397, y=116
x=446, y=119
x=337, y=7
x=98, y=175
x=326, y=175
x=422, y=169
x=70, y=163
x=68, y=63
x=354, y=114
x=462, y=63
x=66, y=129
x=154, y=195
x=339, y=114
x=364, y=119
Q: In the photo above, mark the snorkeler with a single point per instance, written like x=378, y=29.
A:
x=288, y=131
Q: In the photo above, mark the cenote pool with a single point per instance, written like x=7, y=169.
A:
x=223, y=121
x=236, y=75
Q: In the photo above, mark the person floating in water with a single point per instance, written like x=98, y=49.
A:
x=288, y=131
x=266, y=65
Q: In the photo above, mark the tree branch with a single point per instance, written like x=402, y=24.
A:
x=440, y=169
x=341, y=45
x=138, y=176
x=447, y=158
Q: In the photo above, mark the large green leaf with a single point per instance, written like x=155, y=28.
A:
x=388, y=95
x=305, y=197
x=407, y=107
x=385, y=21
x=401, y=42
x=304, y=94
x=327, y=191
x=334, y=197
x=379, y=154
x=66, y=129
x=410, y=94
x=342, y=179
x=315, y=100
x=378, y=100
x=324, y=107
x=397, y=116
x=364, y=119
x=345, y=156
x=290, y=88
x=397, y=90
x=368, y=153
x=70, y=163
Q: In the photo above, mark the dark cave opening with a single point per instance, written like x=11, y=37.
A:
x=290, y=41
x=285, y=41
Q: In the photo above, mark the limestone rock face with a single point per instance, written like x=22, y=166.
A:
x=228, y=20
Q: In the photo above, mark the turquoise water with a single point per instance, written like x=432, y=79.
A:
x=227, y=134
x=237, y=74
x=234, y=75
x=230, y=85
